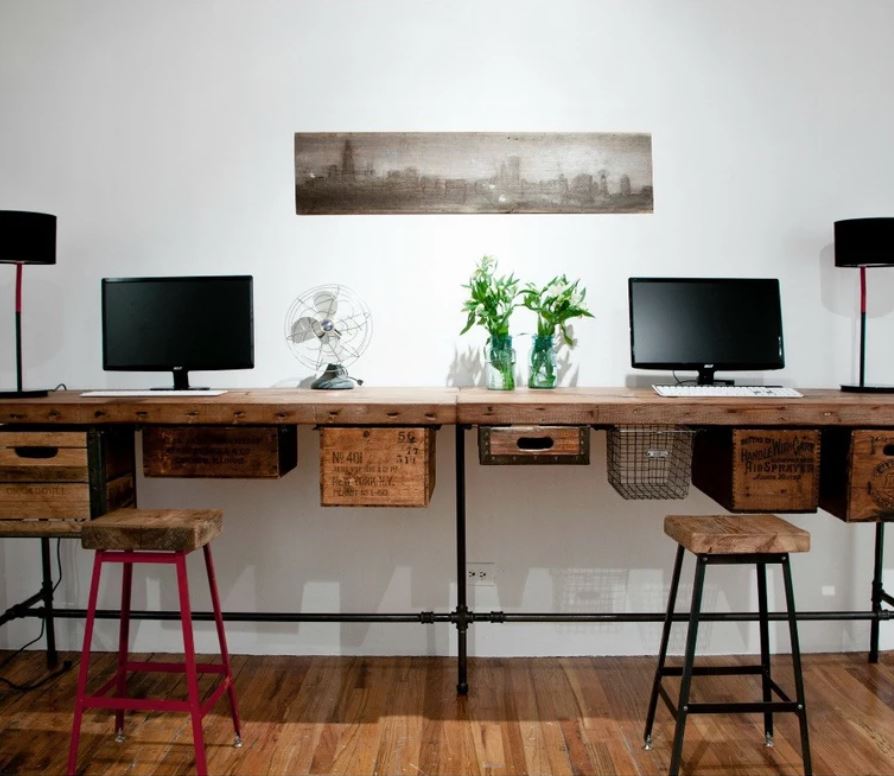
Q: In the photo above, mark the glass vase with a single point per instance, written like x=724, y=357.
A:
x=500, y=367
x=543, y=362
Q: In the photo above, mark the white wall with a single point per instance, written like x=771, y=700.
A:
x=161, y=135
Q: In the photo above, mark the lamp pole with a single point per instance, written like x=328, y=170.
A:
x=19, y=326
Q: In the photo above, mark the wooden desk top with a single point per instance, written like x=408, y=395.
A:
x=253, y=406
x=640, y=406
x=447, y=406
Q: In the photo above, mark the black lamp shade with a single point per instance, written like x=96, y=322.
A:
x=864, y=242
x=27, y=238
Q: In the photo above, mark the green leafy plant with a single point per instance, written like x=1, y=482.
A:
x=492, y=298
x=556, y=303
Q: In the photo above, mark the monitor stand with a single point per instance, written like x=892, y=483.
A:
x=181, y=382
x=706, y=377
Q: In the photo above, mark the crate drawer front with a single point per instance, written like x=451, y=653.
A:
x=858, y=474
x=514, y=445
x=44, y=501
x=219, y=451
x=759, y=470
x=377, y=467
x=43, y=456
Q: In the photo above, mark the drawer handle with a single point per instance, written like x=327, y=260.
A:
x=36, y=452
x=535, y=443
x=657, y=453
x=888, y=449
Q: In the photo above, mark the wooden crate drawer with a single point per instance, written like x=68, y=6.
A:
x=534, y=444
x=758, y=470
x=219, y=451
x=51, y=477
x=43, y=456
x=377, y=467
x=857, y=482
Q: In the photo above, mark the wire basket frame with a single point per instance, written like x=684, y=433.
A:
x=650, y=462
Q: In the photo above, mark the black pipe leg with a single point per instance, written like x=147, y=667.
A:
x=662, y=650
x=877, y=590
x=765, y=648
x=796, y=664
x=686, y=681
x=462, y=609
x=47, y=595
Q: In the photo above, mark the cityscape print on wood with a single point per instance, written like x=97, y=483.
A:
x=472, y=172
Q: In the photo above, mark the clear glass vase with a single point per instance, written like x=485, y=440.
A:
x=543, y=362
x=500, y=366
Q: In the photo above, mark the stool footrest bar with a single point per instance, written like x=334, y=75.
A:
x=714, y=670
x=742, y=707
x=173, y=667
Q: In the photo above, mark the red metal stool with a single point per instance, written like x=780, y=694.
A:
x=164, y=536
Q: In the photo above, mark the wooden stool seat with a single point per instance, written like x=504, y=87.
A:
x=180, y=530
x=736, y=534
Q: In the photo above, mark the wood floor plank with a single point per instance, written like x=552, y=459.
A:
x=400, y=716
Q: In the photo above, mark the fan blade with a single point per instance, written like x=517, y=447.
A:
x=303, y=330
x=325, y=303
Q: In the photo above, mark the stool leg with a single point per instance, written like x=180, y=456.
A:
x=662, y=650
x=123, y=639
x=689, y=659
x=192, y=676
x=764, y=620
x=85, y=665
x=796, y=664
x=222, y=639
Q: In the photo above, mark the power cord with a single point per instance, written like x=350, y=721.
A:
x=66, y=665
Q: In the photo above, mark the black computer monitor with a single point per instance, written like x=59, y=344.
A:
x=707, y=324
x=177, y=324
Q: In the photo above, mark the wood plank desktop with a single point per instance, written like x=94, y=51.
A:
x=275, y=406
x=642, y=406
x=447, y=406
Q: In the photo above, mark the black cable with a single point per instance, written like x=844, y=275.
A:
x=43, y=627
x=61, y=387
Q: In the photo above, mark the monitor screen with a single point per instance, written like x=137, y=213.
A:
x=177, y=324
x=705, y=324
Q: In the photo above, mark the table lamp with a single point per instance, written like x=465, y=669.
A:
x=864, y=242
x=25, y=238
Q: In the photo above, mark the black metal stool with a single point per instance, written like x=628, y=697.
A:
x=725, y=539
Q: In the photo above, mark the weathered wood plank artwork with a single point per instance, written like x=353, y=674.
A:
x=472, y=172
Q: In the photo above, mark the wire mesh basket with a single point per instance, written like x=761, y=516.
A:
x=650, y=461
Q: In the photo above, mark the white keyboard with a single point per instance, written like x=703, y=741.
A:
x=740, y=391
x=151, y=394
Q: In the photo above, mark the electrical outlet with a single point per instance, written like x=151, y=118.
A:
x=828, y=590
x=481, y=573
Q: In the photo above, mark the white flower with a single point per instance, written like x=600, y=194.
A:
x=554, y=289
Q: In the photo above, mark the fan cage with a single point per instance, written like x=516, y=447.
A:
x=650, y=462
x=317, y=357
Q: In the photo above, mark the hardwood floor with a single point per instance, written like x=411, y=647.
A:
x=388, y=716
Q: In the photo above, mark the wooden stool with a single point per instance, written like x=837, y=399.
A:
x=153, y=536
x=726, y=539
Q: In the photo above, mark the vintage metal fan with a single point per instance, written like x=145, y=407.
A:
x=329, y=327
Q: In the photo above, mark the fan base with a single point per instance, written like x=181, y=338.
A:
x=335, y=378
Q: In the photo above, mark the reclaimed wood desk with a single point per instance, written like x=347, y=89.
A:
x=462, y=408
